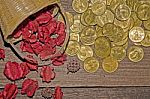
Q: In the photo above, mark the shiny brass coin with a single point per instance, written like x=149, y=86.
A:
x=136, y=34
x=72, y=48
x=91, y=65
x=88, y=36
x=107, y=17
x=123, y=12
x=147, y=24
x=118, y=52
x=102, y=47
x=118, y=35
x=98, y=8
x=89, y=17
x=143, y=12
x=146, y=41
x=110, y=64
x=109, y=29
x=77, y=26
x=80, y=6
x=74, y=37
x=70, y=18
x=135, y=53
x=137, y=43
x=85, y=52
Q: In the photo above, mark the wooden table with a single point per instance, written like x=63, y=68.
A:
x=131, y=81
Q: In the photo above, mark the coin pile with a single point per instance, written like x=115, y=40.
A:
x=101, y=30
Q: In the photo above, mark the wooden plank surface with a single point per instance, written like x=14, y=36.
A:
x=99, y=93
x=128, y=74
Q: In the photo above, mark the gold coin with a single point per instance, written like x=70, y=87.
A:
x=72, y=48
x=136, y=34
x=118, y=52
x=98, y=8
x=110, y=64
x=107, y=17
x=143, y=12
x=85, y=52
x=108, y=2
x=109, y=29
x=102, y=47
x=89, y=17
x=70, y=18
x=77, y=26
x=120, y=43
x=91, y=65
x=123, y=24
x=99, y=1
x=146, y=41
x=74, y=37
x=147, y=24
x=80, y=6
x=88, y=36
x=135, y=53
x=123, y=12
x=137, y=43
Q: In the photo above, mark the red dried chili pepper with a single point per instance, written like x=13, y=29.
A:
x=25, y=69
x=58, y=93
x=44, y=18
x=29, y=87
x=32, y=64
x=10, y=91
x=25, y=47
x=2, y=53
x=32, y=26
x=59, y=59
x=47, y=73
x=37, y=47
x=13, y=71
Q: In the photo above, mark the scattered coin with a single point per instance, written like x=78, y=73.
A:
x=88, y=36
x=98, y=8
x=80, y=6
x=123, y=12
x=143, y=12
x=85, y=52
x=91, y=65
x=136, y=34
x=118, y=52
x=135, y=53
x=72, y=48
x=146, y=41
x=102, y=47
x=89, y=17
x=147, y=24
x=110, y=64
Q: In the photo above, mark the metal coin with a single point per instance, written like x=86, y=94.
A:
x=146, y=41
x=80, y=6
x=147, y=24
x=118, y=52
x=74, y=37
x=89, y=17
x=110, y=64
x=91, y=65
x=135, y=53
x=136, y=34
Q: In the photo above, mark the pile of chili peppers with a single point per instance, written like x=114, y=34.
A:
x=41, y=34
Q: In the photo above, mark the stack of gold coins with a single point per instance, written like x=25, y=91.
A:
x=101, y=29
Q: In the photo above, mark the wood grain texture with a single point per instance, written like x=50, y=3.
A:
x=128, y=74
x=98, y=93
